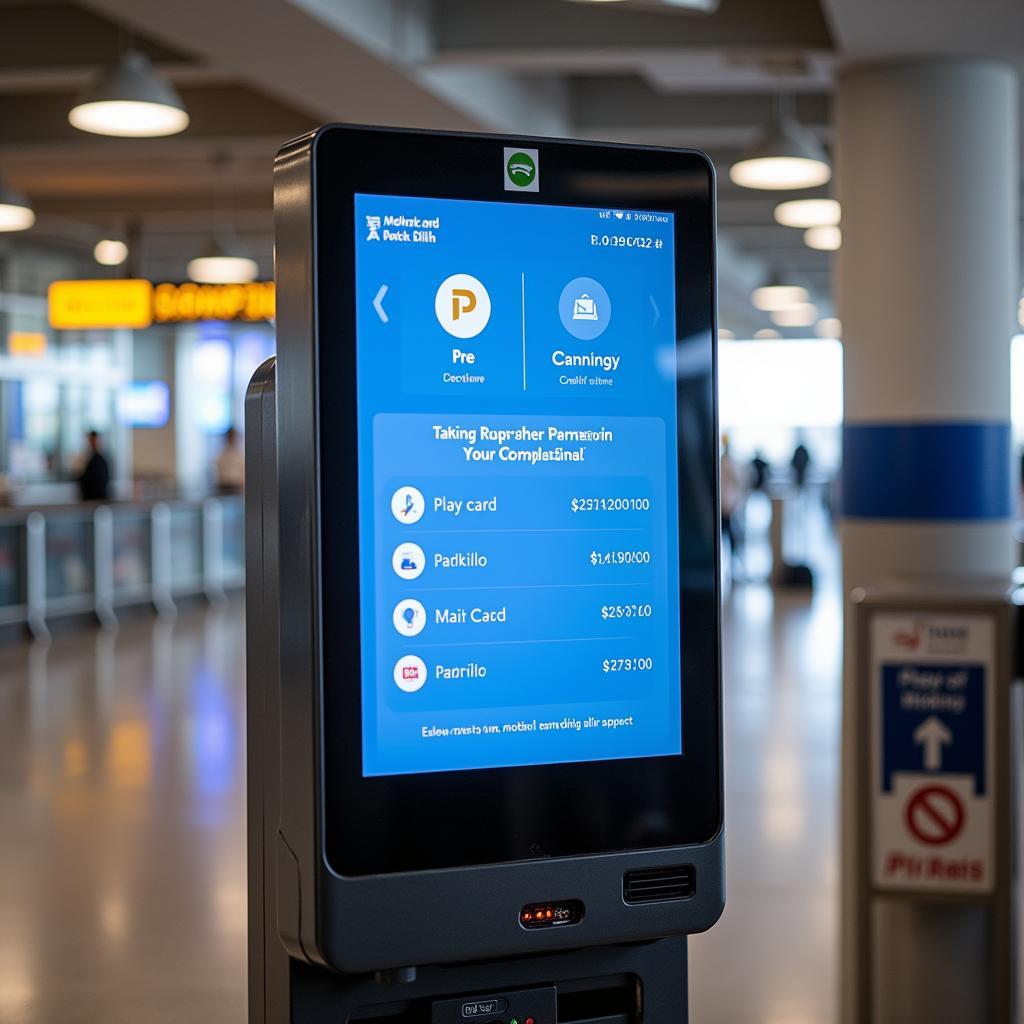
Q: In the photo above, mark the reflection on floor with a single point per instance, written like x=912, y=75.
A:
x=122, y=852
x=122, y=862
x=772, y=959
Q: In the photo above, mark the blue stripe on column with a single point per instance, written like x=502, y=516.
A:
x=927, y=471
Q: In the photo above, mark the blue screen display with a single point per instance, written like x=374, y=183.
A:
x=518, y=511
x=144, y=404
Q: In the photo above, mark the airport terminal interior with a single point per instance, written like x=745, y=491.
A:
x=868, y=171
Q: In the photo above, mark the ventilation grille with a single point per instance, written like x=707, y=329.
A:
x=655, y=885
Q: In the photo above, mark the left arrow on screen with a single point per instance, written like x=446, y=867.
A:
x=378, y=303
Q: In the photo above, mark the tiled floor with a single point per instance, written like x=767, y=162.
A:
x=122, y=860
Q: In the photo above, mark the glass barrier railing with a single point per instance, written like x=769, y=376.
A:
x=95, y=559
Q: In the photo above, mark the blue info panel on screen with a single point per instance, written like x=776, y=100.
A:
x=518, y=513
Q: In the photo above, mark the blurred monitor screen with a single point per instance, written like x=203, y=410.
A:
x=144, y=404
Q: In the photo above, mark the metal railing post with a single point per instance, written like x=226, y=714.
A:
x=35, y=583
x=160, y=561
x=213, y=550
x=103, y=566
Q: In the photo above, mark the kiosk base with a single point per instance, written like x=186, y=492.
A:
x=613, y=985
x=623, y=984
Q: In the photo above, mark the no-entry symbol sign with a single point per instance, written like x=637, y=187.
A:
x=935, y=815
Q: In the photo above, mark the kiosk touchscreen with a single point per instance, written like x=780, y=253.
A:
x=496, y=452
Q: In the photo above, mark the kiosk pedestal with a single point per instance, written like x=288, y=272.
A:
x=619, y=984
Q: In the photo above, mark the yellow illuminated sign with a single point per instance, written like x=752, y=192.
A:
x=26, y=343
x=84, y=304
x=79, y=305
x=177, y=303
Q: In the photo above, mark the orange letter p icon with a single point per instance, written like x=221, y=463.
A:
x=463, y=301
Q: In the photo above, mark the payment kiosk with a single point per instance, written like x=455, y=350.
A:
x=482, y=570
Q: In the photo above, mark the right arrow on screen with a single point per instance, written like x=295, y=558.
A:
x=933, y=735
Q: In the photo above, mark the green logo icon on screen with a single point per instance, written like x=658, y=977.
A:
x=521, y=170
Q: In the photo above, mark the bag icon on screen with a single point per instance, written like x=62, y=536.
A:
x=584, y=308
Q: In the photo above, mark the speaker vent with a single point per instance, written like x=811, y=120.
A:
x=656, y=885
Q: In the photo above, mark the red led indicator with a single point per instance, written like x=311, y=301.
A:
x=551, y=915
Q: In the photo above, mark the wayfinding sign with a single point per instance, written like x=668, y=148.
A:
x=933, y=779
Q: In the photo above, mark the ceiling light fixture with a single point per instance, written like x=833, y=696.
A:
x=16, y=213
x=774, y=296
x=802, y=315
x=217, y=265
x=829, y=327
x=827, y=237
x=766, y=334
x=787, y=156
x=110, y=252
x=724, y=334
x=130, y=100
x=807, y=213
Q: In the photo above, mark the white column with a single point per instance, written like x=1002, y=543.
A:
x=927, y=172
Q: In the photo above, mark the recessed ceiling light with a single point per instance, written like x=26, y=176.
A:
x=724, y=334
x=130, y=100
x=829, y=327
x=110, y=252
x=766, y=333
x=778, y=296
x=828, y=237
x=807, y=213
x=16, y=213
x=802, y=315
x=787, y=156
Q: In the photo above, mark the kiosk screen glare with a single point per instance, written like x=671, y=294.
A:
x=519, y=544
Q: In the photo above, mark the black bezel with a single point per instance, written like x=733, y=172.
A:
x=384, y=824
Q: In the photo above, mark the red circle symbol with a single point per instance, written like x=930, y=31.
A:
x=935, y=815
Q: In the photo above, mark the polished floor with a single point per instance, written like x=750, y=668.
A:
x=122, y=823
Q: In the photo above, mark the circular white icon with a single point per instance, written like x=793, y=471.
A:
x=407, y=505
x=409, y=617
x=410, y=673
x=407, y=561
x=462, y=305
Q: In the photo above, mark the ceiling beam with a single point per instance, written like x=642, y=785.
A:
x=354, y=62
x=505, y=33
x=873, y=29
x=217, y=112
x=626, y=104
x=53, y=78
x=64, y=35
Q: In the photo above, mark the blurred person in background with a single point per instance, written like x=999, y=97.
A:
x=733, y=495
x=800, y=463
x=229, y=466
x=759, y=467
x=94, y=479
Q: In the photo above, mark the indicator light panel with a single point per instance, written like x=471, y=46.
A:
x=555, y=914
